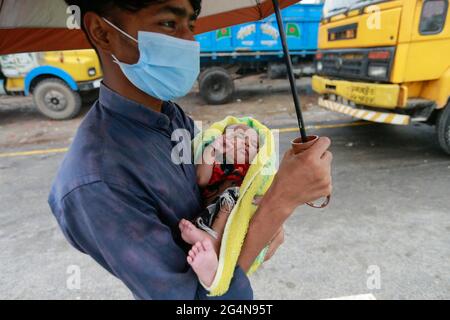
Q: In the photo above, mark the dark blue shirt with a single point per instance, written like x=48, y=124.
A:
x=119, y=197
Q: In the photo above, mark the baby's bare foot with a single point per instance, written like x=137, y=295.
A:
x=190, y=233
x=203, y=259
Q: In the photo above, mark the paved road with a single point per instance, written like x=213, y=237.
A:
x=390, y=216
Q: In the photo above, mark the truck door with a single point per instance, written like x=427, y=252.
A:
x=430, y=41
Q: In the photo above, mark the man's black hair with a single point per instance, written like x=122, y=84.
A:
x=103, y=7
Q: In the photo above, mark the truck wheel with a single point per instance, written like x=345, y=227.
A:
x=56, y=100
x=276, y=71
x=216, y=86
x=443, y=128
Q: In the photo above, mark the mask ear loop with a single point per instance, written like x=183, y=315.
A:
x=122, y=32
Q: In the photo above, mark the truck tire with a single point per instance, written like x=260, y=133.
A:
x=55, y=100
x=276, y=71
x=216, y=86
x=443, y=128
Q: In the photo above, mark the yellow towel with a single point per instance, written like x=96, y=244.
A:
x=256, y=182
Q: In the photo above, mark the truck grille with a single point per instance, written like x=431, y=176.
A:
x=352, y=64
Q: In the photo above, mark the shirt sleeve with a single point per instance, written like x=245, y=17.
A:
x=124, y=234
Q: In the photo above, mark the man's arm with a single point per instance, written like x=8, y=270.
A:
x=301, y=178
x=123, y=233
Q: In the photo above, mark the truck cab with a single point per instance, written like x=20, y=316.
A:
x=57, y=80
x=386, y=61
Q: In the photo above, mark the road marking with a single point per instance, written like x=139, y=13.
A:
x=328, y=126
x=33, y=153
x=283, y=130
x=368, y=296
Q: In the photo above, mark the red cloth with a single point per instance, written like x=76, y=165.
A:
x=218, y=176
x=222, y=173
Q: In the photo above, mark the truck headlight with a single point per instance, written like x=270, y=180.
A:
x=319, y=66
x=92, y=72
x=378, y=71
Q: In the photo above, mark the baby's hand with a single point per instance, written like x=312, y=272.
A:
x=222, y=144
x=218, y=144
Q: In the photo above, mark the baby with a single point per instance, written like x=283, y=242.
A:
x=224, y=165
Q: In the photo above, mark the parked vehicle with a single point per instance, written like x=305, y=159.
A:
x=231, y=52
x=2, y=83
x=58, y=81
x=387, y=61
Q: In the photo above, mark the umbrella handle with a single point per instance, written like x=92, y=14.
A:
x=323, y=205
x=298, y=145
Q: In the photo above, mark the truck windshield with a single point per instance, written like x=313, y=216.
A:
x=334, y=7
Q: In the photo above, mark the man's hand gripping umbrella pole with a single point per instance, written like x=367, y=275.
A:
x=304, y=142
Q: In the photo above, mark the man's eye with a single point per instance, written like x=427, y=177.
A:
x=168, y=24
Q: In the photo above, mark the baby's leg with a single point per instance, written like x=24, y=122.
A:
x=190, y=233
x=219, y=225
x=203, y=260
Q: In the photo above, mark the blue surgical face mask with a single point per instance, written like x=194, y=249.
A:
x=167, y=68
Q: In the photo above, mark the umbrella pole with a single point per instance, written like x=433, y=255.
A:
x=290, y=71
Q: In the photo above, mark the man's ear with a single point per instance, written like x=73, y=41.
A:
x=97, y=31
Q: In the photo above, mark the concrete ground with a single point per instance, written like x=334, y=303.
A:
x=386, y=232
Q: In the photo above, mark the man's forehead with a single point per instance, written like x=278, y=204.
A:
x=179, y=8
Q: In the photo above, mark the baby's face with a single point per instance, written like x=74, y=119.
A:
x=241, y=144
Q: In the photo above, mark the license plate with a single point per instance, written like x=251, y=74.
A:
x=362, y=94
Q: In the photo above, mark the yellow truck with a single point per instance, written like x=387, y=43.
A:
x=57, y=80
x=386, y=61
